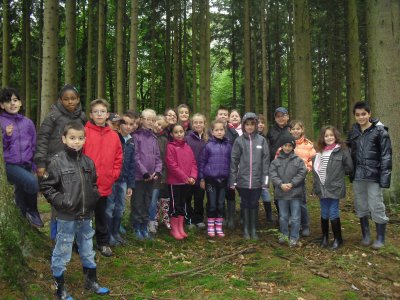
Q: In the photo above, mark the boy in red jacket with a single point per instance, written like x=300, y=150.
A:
x=104, y=148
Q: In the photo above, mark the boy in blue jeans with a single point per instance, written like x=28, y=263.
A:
x=71, y=189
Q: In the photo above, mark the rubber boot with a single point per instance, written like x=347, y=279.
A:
x=116, y=234
x=325, y=233
x=174, y=228
x=165, y=209
x=366, y=234
x=246, y=223
x=211, y=227
x=230, y=214
x=380, y=236
x=110, y=224
x=61, y=291
x=218, y=227
x=268, y=212
x=91, y=282
x=253, y=223
x=181, y=227
x=337, y=233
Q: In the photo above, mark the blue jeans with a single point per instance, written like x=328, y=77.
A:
x=153, y=204
x=290, y=208
x=215, y=199
x=329, y=208
x=66, y=231
x=26, y=186
x=265, y=196
x=116, y=201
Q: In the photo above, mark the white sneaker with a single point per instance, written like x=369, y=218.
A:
x=201, y=225
x=152, y=227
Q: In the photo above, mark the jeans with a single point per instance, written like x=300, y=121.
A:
x=153, y=205
x=265, y=196
x=66, y=231
x=116, y=201
x=329, y=208
x=215, y=199
x=290, y=208
x=26, y=187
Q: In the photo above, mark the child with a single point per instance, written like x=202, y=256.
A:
x=19, y=141
x=214, y=170
x=196, y=139
x=249, y=171
x=371, y=151
x=184, y=116
x=160, y=198
x=234, y=121
x=276, y=131
x=113, y=121
x=181, y=172
x=125, y=184
x=68, y=108
x=71, y=189
x=265, y=195
x=148, y=169
x=171, y=117
x=288, y=173
x=330, y=165
x=104, y=148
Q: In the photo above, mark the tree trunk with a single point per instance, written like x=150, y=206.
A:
x=90, y=69
x=50, y=54
x=26, y=58
x=247, y=58
x=70, y=41
x=383, y=31
x=208, y=62
x=168, y=79
x=177, y=9
x=233, y=53
x=133, y=64
x=353, y=58
x=277, y=55
x=264, y=61
x=120, y=56
x=39, y=64
x=101, y=51
x=6, y=64
x=302, y=65
x=195, y=32
x=153, y=62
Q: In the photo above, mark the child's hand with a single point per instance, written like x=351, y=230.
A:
x=191, y=181
x=40, y=172
x=129, y=192
x=203, y=184
x=10, y=129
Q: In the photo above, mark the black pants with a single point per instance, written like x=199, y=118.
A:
x=195, y=213
x=249, y=198
x=140, y=201
x=102, y=234
x=177, y=194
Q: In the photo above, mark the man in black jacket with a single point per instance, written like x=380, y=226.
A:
x=371, y=152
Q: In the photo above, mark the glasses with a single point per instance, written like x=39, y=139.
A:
x=99, y=112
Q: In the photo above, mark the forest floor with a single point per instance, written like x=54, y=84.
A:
x=231, y=267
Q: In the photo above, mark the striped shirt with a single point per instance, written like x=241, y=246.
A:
x=324, y=164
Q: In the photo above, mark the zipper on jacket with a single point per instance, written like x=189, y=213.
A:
x=19, y=138
x=251, y=160
x=83, y=184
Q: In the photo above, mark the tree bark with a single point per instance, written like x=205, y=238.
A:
x=302, y=65
x=195, y=32
x=70, y=42
x=50, y=54
x=90, y=56
x=153, y=62
x=177, y=9
x=26, y=57
x=133, y=56
x=247, y=58
x=264, y=61
x=101, y=51
x=6, y=64
x=383, y=32
x=120, y=56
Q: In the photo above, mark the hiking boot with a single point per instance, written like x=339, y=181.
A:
x=105, y=250
x=34, y=219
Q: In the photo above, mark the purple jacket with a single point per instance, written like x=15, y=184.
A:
x=197, y=144
x=18, y=148
x=215, y=159
x=147, y=155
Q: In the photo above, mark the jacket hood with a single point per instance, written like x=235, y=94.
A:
x=75, y=114
x=179, y=143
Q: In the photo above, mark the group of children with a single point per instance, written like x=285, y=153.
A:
x=163, y=162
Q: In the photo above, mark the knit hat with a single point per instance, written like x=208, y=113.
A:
x=287, y=138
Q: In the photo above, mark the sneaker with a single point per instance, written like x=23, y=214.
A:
x=105, y=251
x=292, y=243
x=34, y=219
x=152, y=227
x=282, y=240
x=201, y=225
x=305, y=231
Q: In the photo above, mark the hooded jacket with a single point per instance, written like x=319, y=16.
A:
x=371, y=152
x=288, y=169
x=180, y=162
x=249, y=159
x=71, y=185
x=215, y=159
x=339, y=165
x=104, y=148
x=197, y=145
x=273, y=137
x=51, y=130
x=18, y=148
x=128, y=164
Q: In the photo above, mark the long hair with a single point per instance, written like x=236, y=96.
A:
x=319, y=147
x=204, y=137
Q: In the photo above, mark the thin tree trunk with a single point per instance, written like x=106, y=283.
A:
x=195, y=31
x=153, y=62
x=208, y=62
x=277, y=54
x=6, y=64
x=70, y=41
x=233, y=53
x=133, y=64
x=247, y=58
x=177, y=9
x=264, y=61
x=90, y=56
x=120, y=56
x=26, y=58
x=101, y=51
x=50, y=54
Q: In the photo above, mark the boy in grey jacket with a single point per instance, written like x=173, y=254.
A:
x=288, y=173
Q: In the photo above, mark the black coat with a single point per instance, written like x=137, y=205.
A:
x=371, y=152
x=71, y=185
x=273, y=138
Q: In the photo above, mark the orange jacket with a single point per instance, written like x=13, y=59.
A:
x=104, y=148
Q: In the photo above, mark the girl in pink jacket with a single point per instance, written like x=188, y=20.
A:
x=181, y=172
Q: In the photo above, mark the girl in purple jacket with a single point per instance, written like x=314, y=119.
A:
x=214, y=170
x=19, y=142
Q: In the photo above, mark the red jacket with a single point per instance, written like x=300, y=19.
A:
x=104, y=148
x=180, y=162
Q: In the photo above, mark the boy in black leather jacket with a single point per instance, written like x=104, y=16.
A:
x=70, y=187
x=371, y=152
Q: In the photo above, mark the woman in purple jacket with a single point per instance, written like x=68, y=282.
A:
x=214, y=170
x=19, y=141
